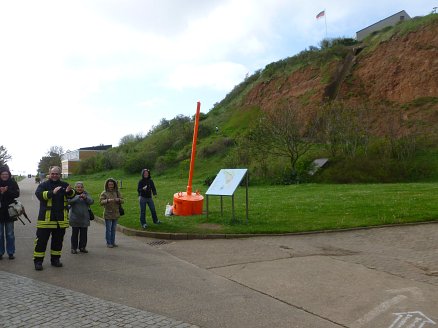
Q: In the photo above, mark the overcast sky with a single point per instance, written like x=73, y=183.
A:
x=81, y=73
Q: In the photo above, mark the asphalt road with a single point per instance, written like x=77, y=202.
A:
x=382, y=277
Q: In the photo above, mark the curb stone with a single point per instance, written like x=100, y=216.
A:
x=191, y=236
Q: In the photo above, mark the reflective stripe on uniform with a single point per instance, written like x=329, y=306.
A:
x=39, y=254
x=48, y=210
x=52, y=224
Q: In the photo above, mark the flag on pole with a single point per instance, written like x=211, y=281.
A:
x=321, y=14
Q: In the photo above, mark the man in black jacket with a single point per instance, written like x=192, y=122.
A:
x=52, y=217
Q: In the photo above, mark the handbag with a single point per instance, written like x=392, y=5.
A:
x=16, y=209
x=91, y=214
x=121, y=209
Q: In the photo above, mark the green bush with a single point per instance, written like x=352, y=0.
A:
x=134, y=163
x=209, y=180
x=205, y=130
x=217, y=146
x=362, y=169
x=91, y=165
x=165, y=162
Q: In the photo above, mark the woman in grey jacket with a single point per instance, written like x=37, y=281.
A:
x=79, y=218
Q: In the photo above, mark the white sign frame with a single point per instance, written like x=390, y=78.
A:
x=225, y=184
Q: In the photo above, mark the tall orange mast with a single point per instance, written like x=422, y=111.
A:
x=186, y=203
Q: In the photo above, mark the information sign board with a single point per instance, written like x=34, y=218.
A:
x=226, y=182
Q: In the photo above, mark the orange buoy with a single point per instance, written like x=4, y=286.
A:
x=187, y=203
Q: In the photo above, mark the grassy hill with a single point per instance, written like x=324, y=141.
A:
x=371, y=108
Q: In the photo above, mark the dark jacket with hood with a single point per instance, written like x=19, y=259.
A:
x=148, y=183
x=8, y=196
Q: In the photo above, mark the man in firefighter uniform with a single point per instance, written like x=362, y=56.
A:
x=52, y=217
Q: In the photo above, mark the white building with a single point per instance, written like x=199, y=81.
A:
x=388, y=21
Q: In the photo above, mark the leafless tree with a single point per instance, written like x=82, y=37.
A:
x=52, y=158
x=4, y=156
x=286, y=131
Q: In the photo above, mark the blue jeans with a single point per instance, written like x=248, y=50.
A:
x=150, y=203
x=110, y=233
x=7, y=228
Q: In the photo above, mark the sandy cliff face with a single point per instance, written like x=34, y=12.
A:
x=402, y=69
x=268, y=94
x=398, y=72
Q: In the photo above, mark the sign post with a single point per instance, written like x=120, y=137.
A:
x=225, y=184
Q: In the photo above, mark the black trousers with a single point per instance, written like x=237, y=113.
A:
x=82, y=234
x=43, y=235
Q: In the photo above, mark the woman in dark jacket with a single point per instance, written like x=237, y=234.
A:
x=145, y=189
x=8, y=192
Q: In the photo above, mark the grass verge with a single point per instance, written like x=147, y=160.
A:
x=280, y=209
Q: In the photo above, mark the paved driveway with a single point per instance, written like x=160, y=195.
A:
x=384, y=277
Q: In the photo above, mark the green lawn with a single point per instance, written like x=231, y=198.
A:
x=280, y=209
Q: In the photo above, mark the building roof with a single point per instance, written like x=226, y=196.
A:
x=100, y=147
x=396, y=14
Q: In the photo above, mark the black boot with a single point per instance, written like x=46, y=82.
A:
x=38, y=266
x=56, y=263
